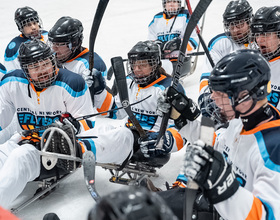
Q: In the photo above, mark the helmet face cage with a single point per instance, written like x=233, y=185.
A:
x=63, y=50
x=65, y=37
x=267, y=43
x=209, y=108
x=146, y=64
x=173, y=10
x=41, y=73
x=238, y=31
x=25, y=16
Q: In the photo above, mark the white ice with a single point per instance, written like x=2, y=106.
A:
x=124, y=24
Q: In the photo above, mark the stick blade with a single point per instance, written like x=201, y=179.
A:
x=89, y=173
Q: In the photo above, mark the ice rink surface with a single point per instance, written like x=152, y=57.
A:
x=124, y=24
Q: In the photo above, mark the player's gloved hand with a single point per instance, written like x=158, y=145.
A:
x=208, y=168
x=183, y=108
x=67, y=118
x=95, y=82
x=149, y=149
x=172, y=45
x=161, y=44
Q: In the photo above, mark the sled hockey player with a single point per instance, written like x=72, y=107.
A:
x=240, y=174
x=40, y=94
x=265, y=29
x=30, y=26
x=168, y=28
x=237, y=18
x=65, y=38
x=147, y=77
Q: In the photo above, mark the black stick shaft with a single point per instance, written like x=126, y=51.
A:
x=94, y=29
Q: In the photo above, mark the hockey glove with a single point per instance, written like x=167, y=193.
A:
x=149, y=149
x=183, y=108
x=67, y=118
x=95, y=82
x=170, y=46
x=208, y=168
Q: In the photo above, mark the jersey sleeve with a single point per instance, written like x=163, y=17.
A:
x=7, y=109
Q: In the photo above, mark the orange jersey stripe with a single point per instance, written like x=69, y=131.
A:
x=203, y=84
x=79, y=55
x=267, y=125
x=178, y=138
x=256, y=210
x=85, y=125
x=106, y=104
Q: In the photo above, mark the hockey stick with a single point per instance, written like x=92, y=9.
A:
x=25, y=133
x=201, y=41
x=195, y=17
x=118, y=69
x=89, y=174
x=206, y=134
x=94, y=29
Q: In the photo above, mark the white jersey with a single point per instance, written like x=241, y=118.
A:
x=11, y=53
x=36, y=109
x=102, y=99
x=254, y=156
x=145, y=111
x=220, y=46
x=274, y=96
x=164, y=29
x=21, y=163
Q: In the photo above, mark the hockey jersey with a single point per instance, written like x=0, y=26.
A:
x=164, y=29
x=11, y=53
x=145, y=111
x=102, y=99
x=220, y=46
x=69, y=93
x=3, y=71
x=254, y=156
x=274, y=96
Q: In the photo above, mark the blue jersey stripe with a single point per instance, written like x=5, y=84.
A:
x=72, y=92
x=264, y=153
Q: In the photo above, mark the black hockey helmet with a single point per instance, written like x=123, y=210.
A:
x=134, y=203
x=67, y=29
x=237, y=10
x=242, y=70
x=25, y=15
x=266, y=19
x=145, y=51
x=30, y=54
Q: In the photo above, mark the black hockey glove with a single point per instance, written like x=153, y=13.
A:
x=96, y=82
x=149, y=149
x=172, y=45
x=183, y=108
x=67, y=118
x=208, y=168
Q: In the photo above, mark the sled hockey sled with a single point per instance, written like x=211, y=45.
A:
x=131, y=172
x=51, y=175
